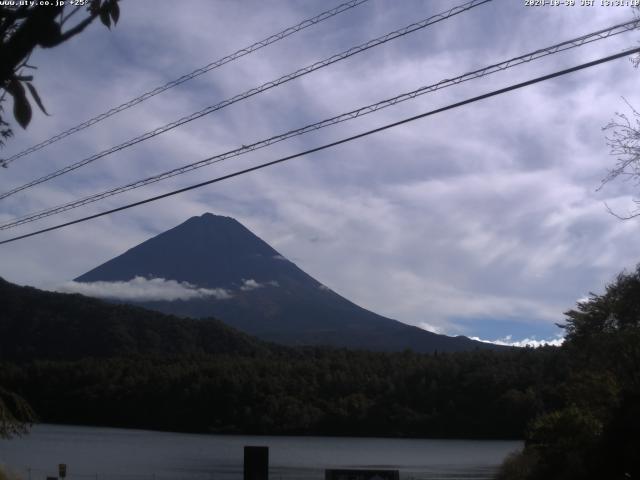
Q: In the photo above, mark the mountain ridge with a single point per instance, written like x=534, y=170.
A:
x=271, y=298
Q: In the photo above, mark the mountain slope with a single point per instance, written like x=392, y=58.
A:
x=269, y=296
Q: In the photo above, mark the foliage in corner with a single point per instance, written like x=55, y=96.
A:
x=594, y=431
x=616, y=311
x=25, y=27
x=8, y=474
x=623, y=141
x=16, y=416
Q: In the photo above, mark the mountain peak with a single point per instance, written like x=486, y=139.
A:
x=208, y=216
x=210, y=251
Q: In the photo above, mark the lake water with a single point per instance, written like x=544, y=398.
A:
x=118, y=454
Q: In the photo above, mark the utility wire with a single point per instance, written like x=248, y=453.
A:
x=254, y=91
x=332, y=144
x=184, y=78
x=573, y=43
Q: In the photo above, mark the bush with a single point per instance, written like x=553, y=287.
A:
x=8, y=474
x=518, y=466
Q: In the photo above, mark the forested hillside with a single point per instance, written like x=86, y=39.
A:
x=80, y=360
x=337, y=392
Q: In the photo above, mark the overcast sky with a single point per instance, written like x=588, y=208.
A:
x=483, y=221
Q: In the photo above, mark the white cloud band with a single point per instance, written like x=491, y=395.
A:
x=527, y=342
x=143, y=289
x=251, y=284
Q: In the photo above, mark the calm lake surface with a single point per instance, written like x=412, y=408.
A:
x=116, y=454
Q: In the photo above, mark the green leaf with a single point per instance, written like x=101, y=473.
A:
x=36, y=97
x=21, y=107
x=115, y=11
x=104, y=17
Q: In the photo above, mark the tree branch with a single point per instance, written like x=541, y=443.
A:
x=75, y=30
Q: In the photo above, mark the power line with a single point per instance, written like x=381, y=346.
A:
x=256, y=90
x=332, y=144
x=528, y=57
x=195, y=73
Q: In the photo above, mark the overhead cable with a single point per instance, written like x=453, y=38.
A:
x=332, y=144
x=254, y=91
x=359, y=112
x=185, y=78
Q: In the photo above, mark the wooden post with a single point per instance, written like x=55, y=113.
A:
x=256, y=463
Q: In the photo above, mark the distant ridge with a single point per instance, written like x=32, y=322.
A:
x=269, y=296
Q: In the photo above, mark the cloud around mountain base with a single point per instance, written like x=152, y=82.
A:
x=144, y=289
